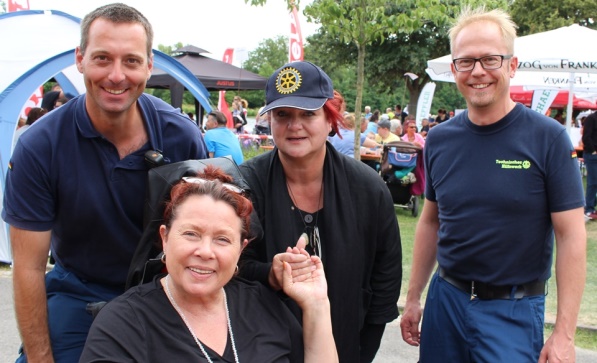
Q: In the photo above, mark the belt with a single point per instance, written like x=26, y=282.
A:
x=485, y=291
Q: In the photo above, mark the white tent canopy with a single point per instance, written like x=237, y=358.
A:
x=560, y=58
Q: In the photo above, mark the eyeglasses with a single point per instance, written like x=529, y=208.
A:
x=412, y=127
x=488, y=62
x=196, y=180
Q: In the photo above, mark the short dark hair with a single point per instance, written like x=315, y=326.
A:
x=219, y=116
x=116, y=13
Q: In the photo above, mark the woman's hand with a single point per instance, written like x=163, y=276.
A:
x=306, y=289
x=299, y=261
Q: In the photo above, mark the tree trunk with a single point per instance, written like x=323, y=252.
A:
x=358, y=102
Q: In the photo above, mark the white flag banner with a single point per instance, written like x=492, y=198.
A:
x=542, y=99
x=424, y=104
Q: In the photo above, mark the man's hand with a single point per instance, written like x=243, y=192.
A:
x=558, y=349
x=409, y=323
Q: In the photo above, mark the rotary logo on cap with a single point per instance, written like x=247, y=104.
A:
x=288, y=81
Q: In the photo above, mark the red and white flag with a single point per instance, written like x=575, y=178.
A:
x=296, y=38
x=16, y=5
x=222, y=104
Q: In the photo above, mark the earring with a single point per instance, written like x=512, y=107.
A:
x=163, y=258
x=236, y=270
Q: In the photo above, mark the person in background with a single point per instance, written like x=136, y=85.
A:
x=364, y=125
x=219, y=140
x=343, y=141
x=495, y=200
x=442, y=116
x=389, y=114
x=77, y=181
x=60, y=101
x=559, y=117
x=368, y=112
x=411, y=134
x=305, y=185
x=424, y=127
x=396, y=127
x=589, y=141
x=49, y=100
x=262, y=124
x=238, y=114
x=398, y=113
x=34, y=114
x=384, y=133
x=199, y=311
x=372, y=125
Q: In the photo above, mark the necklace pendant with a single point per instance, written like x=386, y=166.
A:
x=317, y=243
x=308, y=218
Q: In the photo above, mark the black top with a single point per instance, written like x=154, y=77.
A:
x=359, y=235
x=143, y=326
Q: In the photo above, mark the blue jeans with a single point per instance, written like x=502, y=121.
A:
x=68, y=319
x=591, y=165
x=458, y=329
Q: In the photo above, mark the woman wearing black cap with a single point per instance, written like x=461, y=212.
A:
x=305, y=186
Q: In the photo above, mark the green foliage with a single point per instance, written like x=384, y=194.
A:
x=269, y=55
x=169, y=49
x=448, y=97
x=537, y=16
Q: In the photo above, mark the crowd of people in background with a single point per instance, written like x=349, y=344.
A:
x=75, y=182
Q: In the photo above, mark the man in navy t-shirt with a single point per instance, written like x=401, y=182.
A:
x=77, y=181
x=501, y=182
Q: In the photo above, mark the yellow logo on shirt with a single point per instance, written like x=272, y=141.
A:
x=514, y=164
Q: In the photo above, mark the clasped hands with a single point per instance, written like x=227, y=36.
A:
x=300, y=275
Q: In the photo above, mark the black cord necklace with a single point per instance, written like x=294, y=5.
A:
x=313, y=233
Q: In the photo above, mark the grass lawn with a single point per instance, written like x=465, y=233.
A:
x=585, y=338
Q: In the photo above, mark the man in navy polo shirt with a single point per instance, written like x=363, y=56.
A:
x=495, y=201
x=76, y=185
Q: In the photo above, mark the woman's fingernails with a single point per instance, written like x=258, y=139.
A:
x=306, y=237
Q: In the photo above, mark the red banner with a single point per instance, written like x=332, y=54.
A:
x=16, y=5
x=222, y=104
x=296, y=38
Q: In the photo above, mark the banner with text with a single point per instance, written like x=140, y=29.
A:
x=424, y=104
x=296, y=39
x=542, y=99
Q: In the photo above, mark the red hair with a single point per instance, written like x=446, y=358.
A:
x=182, y=191
x=334, y=110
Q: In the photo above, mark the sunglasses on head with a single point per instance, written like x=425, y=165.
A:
x=197, y=180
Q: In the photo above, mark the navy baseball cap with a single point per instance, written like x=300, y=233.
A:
x=301, y=85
